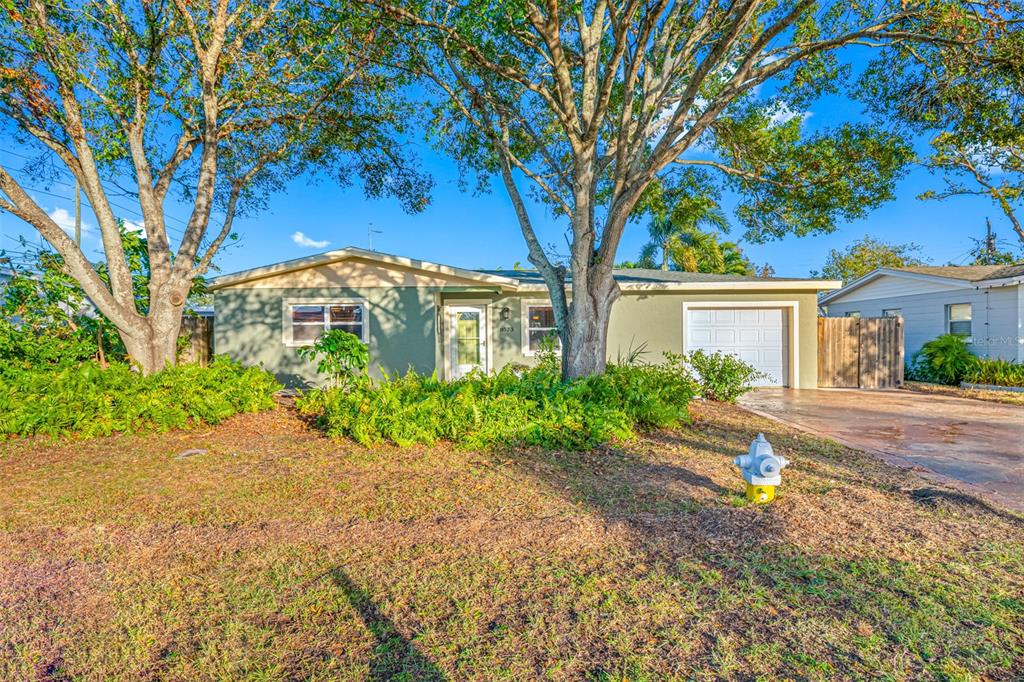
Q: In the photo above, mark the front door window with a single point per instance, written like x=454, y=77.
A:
x=468, y=339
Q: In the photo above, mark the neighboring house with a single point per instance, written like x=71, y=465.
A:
x=431, y=317
x=984, y=303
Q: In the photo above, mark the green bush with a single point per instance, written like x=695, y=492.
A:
x=997, y=373
x=721, y=377
x=88, y=400
x=943, y=360
x=512, y=407
x=343, y=356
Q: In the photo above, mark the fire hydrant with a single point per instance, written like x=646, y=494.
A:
x=761, y=469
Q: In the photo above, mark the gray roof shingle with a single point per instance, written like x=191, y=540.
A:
x=970, y=273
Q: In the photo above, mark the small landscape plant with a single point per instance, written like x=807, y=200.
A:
x=721, y=377
x=997, y=373
x=943, y=360
x=89, y=400
x=513, y=407
x=342, y=356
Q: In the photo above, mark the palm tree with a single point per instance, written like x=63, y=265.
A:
x=686, y=218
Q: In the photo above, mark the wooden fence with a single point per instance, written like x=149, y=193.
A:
x=860, y=352
x=199, y=331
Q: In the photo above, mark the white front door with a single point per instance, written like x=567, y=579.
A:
x=467, y=347
x=755, y=335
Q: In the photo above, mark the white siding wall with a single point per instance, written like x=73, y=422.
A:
x=997, y=317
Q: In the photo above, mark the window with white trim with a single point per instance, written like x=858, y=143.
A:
x=958, y=319
x=540, y=324
x=892, y=312
x=308, y=320
x=853, y=313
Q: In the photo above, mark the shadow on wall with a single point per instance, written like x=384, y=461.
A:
x=401, y=329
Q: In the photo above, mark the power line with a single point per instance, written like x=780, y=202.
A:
x=66, y=172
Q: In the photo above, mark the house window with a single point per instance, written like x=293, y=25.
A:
x=305, y=321
x=892, y=312
x=853, y=313
x=958, y=319
x=540, y=324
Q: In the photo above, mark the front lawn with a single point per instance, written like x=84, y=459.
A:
x=281, y=554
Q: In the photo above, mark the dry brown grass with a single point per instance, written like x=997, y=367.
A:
x=1005, y=397
x=280, y=554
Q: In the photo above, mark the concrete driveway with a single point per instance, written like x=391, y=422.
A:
x=974, y=445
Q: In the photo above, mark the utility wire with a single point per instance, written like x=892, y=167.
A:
x=66, y=172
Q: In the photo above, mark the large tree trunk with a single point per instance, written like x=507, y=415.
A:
x=152, y=343
x=585, y=339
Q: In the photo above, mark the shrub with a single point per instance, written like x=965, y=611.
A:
x=512, y=407
x=343, y=356
x=997, y=373
x=88, y=400
x=721, y=377
x=943, y=360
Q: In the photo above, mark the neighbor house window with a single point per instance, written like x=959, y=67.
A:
x=305, y=321
x=853, y=313
x=892, y=312
x=958, y=319
x=540, y=324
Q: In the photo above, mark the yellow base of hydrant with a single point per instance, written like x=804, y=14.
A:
x=760, y=494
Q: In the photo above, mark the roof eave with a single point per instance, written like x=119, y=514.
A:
x=352, y=252
x=892, y=272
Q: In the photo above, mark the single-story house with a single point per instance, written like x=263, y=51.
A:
x=449, y=320
x=984, y=303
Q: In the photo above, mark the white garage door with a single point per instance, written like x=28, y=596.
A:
x=754, y=335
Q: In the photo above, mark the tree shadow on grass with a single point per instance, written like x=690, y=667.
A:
x=393, y=656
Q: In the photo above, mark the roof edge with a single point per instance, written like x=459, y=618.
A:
x=348, y=252
x=893, y=272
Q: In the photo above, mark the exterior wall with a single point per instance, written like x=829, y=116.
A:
x=402, y=329
x=888, y=286
x=997, y=314
x=654, y=319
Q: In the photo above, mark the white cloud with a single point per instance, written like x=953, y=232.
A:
x=306, y=242
x=133, y=226
x=66, y=220
x=783, y=114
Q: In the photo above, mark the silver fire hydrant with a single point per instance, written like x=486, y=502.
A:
x=761, y=469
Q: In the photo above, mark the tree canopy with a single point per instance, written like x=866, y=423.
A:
x=867, y=254
x=591, y=102
x=214, y=105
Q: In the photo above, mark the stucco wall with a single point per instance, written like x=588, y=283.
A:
x=403, y=326
x=652, y=318
x=996, y=313
x=401, y=322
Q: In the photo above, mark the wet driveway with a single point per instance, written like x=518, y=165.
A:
x=974, y=445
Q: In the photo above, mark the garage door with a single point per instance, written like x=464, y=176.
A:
x=754, y=335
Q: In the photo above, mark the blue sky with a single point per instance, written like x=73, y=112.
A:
x=461, y=229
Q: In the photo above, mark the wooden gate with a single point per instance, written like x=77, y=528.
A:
x=199, y=331
x=860, y=352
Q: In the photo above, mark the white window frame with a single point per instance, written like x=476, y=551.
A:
x=950, y=320
x=525, y=320
x=286, y=317
x=887, y=312
x=855, y=314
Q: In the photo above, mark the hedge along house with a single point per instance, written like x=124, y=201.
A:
x=429, y=317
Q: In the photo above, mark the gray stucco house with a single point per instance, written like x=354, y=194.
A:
x=438, y=318
x=982, y=302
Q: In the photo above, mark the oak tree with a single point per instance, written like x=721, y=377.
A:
x=213, y=104
x=584, y=104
